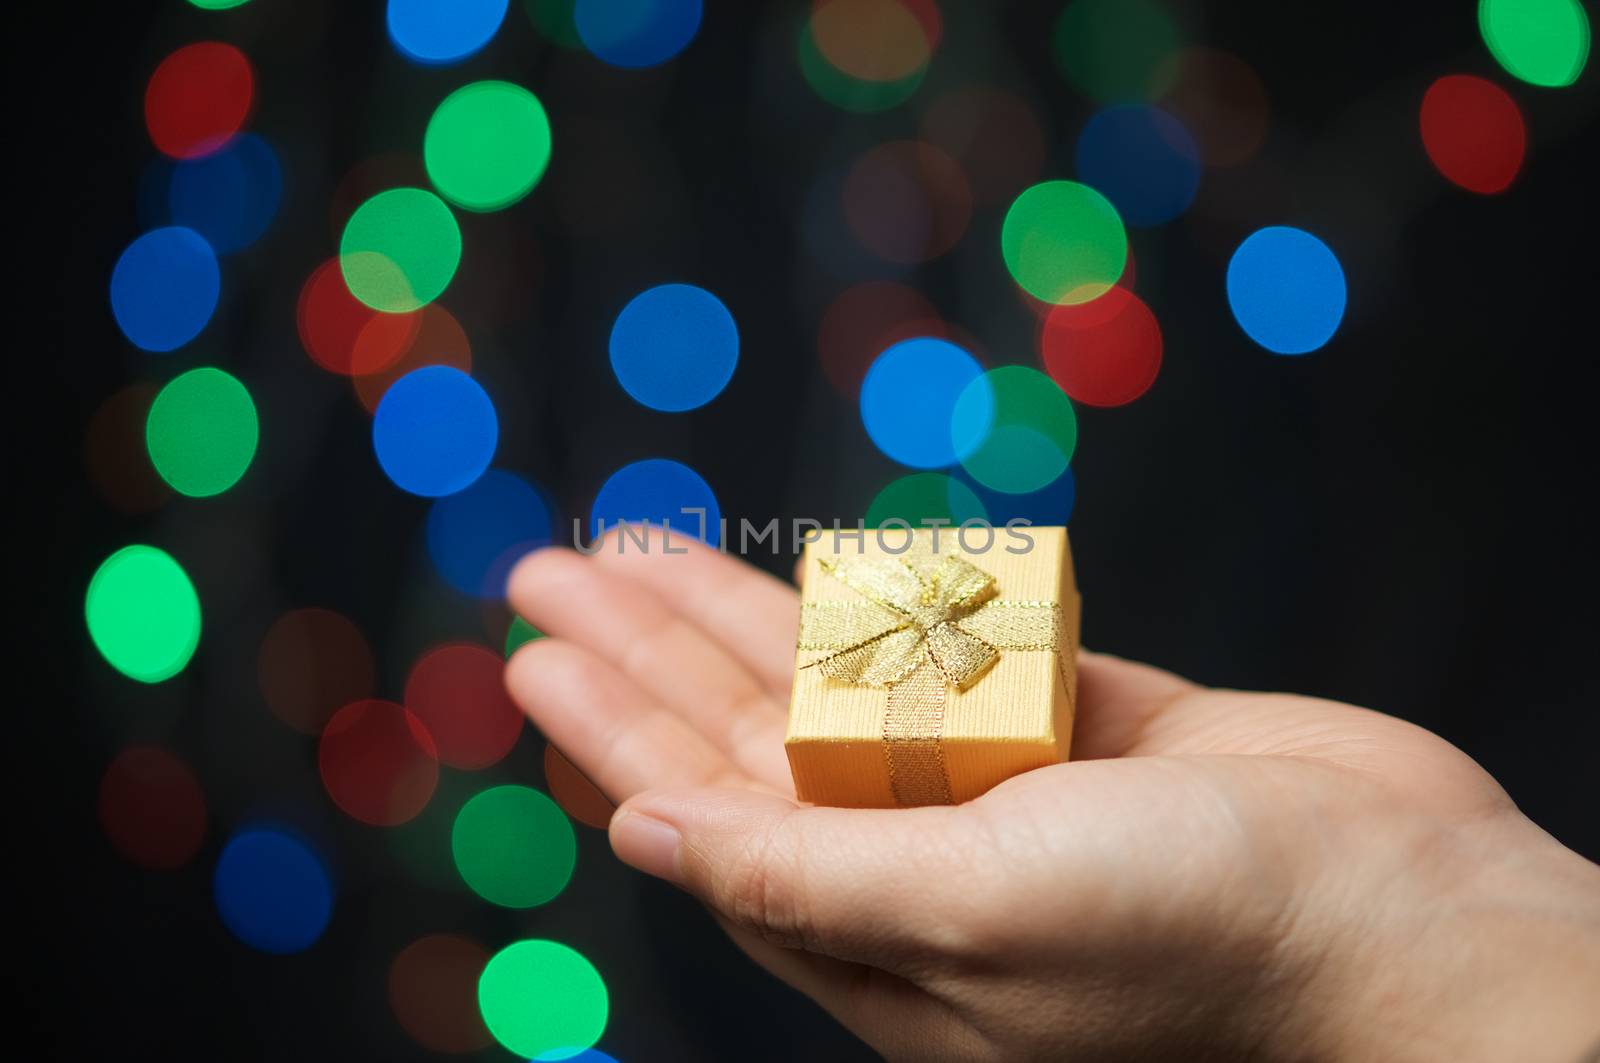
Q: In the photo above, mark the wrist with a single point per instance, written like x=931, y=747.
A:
x=1489, y=949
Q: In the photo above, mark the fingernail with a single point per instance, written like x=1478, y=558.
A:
x=647, y=844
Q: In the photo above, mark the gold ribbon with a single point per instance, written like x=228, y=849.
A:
x=922, y=625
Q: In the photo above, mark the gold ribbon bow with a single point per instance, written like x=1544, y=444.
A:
x=923, y=624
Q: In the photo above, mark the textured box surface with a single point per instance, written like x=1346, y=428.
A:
x=923, y=739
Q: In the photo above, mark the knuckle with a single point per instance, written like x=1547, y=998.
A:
x=763, y=893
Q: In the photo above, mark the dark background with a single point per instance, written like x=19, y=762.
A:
x=1399, y=520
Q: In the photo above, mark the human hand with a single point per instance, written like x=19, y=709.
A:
x=1215, y=874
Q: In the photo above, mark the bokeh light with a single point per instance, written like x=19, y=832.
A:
x=1063, y=242
x=1543, y=42
x=1115, y=50
x=1014, y=429
x=164, y=288
x=572, y=790
x=115, y=455
x=674, y=347
x=438, y=339
x=907, y=201
x=433, y=991
x=1286, y=289
x=554, y=21
x=272, y=890
x=435, y=431
x=400, y=250
x=230, y=196
x=421, y=846
x=1473, y=132
x=152, y=808
x=925, y=496
x=143, y=613
x=993, y=134
x=636, y=33
x=909, y=396
x=458, y=692
x=865, y=320
x=834, y=86
x=876, y=40
x=487, y=145
x=1220, y=99
x=378, y=762
x=343, y=335
x=1104, y=353
x=1050, y=505
x=312, y=663
x=202, y=432
x=475, y=536
x=1041, y=309
x=1142, y=159
x=436, y=32
x=540, y=997
x=514, y=847
x=519, y=633
x=375, y=173
x=660, y=492
x=198, y=98
x=217, y=5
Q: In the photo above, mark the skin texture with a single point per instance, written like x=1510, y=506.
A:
x=1216, y=874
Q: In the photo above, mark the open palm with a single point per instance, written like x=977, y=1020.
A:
x=1165, y=892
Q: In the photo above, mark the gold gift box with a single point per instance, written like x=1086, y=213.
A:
x=928, y=669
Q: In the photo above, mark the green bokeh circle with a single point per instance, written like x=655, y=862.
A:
x=1015, y=429
x=143, y=613
x=487, y=145
x=400, y=250
x=925, y=496
x=1064, y=242
x=514, y=846
x=202, y=432
x=519, y=634
x=1116, y=50
x=554, y=20
x=543, y=1000
x=1543, y=42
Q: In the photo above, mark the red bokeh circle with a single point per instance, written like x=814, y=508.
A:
x=458, y=692
x=907, y=201
x=433, y=990
x=312, y=663
x=1103, y=353
x=1473, y=132
x=198, y=98
x=115, y=454
x=993, y=134
x=439, y=340
x=864, y=321
x=572, y=790
x=378, y=762
x=344, y=335
x=152, y=808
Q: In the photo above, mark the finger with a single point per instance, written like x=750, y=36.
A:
x=571, y=597
x=752, y=614
x=1117, y=701
x=617, y=734
x=886, y=1011
x=863, y=885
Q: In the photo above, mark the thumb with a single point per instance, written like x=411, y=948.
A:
x=866, y=885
